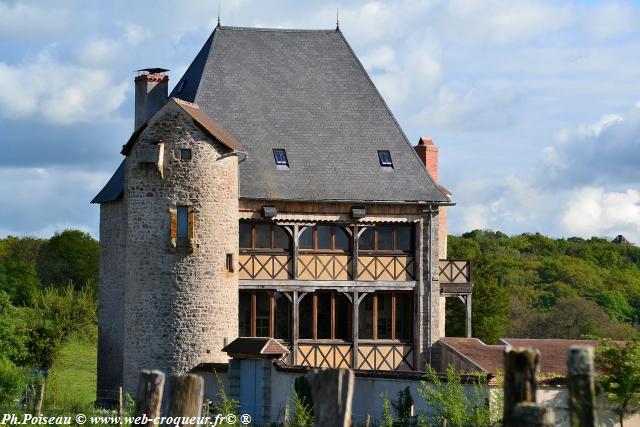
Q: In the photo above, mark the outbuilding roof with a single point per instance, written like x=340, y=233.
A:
x=306, y=92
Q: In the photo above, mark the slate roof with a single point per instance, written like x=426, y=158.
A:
x=114, y=188
x=257, y=346
x=304, y=91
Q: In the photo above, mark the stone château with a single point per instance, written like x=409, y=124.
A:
x=272, y=193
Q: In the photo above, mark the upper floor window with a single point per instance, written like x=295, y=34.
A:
x=325, y=238
x=385, y=158
x=183, y=222
x=387, y=238
x=263, y=236
x=281, y=157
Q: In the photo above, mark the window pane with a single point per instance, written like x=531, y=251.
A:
x=305, y=311
x=343, y=314
x=280, y=156
x=365, y=318
x=404, y=238
x=282, y=240
x=342, y=239
x=262, y=314
x=384, y=316
x=183, y=221
x=244, y=326
x=245, y=235
x=324, y=315
x=385, y=158
x=385, y=235
x=324, y=237
x=306, y=241
x=404, y=316
x=282, y=316
x=366, y=240
x=263, y=236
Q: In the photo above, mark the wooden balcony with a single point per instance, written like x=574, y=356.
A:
x=455, y=277
x=371, y=357
x=327, y=267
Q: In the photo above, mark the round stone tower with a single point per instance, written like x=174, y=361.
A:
x=181, y=286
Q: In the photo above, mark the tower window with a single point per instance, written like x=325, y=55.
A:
x=281, y=157
x=183, y=222
x=385, y=158
x=229, y=263
x=185, y=154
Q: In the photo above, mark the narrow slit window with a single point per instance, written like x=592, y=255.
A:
x=385, y=158
x=183, y=222
x=229, y=263
x=281, y=157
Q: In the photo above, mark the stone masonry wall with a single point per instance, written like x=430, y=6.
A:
x=113, y=221
x=431, y=325
x=180, y=307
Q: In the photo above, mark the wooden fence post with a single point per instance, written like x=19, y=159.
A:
x=521, y=367
x=285, y=418
x=37, y=404
x=149, y=394
x=582, y=394
x=332, y=392
x=185, y=397
x=530, y=414
x=120, y=406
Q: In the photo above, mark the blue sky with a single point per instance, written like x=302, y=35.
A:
x=535, y=105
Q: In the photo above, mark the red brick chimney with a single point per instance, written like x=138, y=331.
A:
x=428, y=153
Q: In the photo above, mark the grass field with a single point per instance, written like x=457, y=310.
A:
x=72, y=378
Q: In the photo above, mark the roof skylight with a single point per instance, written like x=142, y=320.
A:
x=385, y=158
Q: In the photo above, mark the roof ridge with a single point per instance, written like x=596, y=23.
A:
x=283, y=30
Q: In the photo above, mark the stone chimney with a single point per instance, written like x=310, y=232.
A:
x=152, y=91
x=428, y=153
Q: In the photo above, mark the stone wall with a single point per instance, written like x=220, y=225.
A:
x=113, y=222
x=180, y=307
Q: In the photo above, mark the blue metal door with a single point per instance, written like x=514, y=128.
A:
x=251, y=384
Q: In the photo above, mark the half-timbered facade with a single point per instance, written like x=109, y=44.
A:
x=337, y=244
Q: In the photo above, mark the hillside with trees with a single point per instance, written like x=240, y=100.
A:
x=532, y=286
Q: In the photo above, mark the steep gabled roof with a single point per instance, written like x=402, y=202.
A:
x=306, y=92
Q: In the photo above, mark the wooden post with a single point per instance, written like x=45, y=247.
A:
x=332, y=392
x=149, y=393
x=582, y=395
x=185, y=397
x=367, y=421
x=521, y=367
x=285, y=417
x=120, y=405
x=468, y=317
x=37, y=404
x=529, y=414
x=354, y=329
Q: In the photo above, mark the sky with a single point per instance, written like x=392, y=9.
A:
x=535, y=105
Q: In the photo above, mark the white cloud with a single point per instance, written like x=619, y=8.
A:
x=58, y=92
x=21, y=20
x=40, y=201
x=136, y=34
x=593, y=211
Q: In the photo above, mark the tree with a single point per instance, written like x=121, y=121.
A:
x=69, y=257
x=619, y=368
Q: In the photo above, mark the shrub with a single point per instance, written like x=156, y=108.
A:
x=13, y=381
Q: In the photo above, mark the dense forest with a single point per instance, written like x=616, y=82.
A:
x=532, y=286
x=48, y=295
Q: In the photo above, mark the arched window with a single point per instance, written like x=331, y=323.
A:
x=329, y=238
x=266, y=236
x=389, y=238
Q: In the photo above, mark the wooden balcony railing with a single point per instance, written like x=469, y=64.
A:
x=324, y=267
x=396, y=267
x=371, y=357
x=312, y=266
x=259, y=266
x=455, y=276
